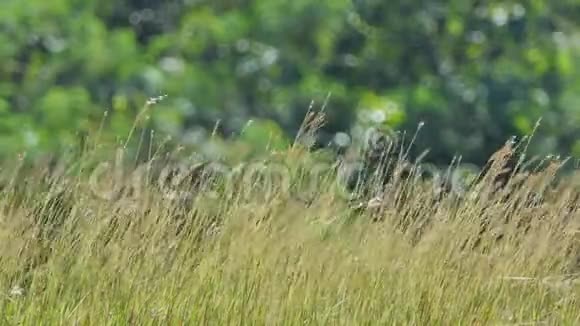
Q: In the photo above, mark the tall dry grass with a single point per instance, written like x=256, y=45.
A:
x=245, y=251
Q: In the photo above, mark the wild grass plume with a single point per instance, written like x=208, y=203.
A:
x=277, y=241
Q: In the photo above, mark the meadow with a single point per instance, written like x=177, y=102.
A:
x=284, y=247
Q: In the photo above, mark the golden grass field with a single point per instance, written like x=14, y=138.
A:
x=292, y=253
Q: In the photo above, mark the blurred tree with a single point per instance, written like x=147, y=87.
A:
x=475, y=72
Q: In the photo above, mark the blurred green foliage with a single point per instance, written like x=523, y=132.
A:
x=476, y=72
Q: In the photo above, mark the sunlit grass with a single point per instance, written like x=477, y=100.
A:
x=296, y=255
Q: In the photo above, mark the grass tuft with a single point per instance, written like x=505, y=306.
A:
x=277, y=243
